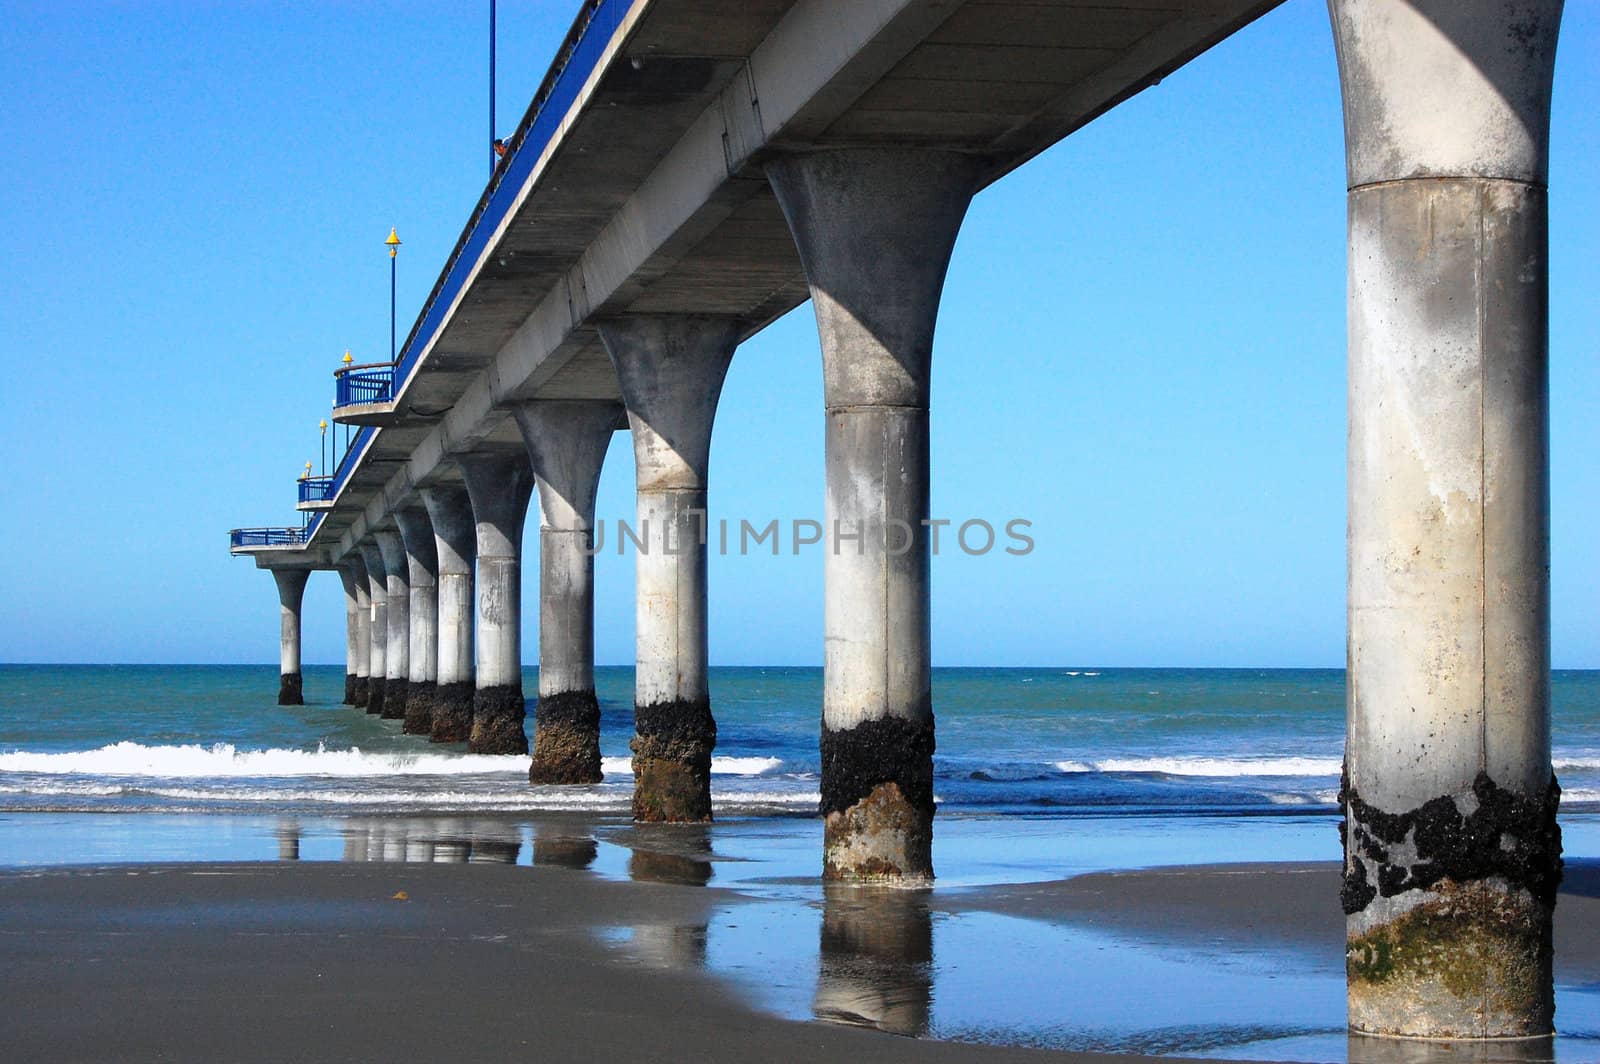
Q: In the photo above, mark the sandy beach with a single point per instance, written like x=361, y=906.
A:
x=326, y=961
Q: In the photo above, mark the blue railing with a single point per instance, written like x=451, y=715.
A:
x=597, y=23
x=364, y=386
x=316, y=489
x=580, y=53
x=351, y=456
x=269, y=537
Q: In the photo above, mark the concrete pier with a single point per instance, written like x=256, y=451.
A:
x=500, y=483
x=1452, y=852
x=422, y=565
x=377, y=625
x=358, y=566
x=567, y=441
x=352, y=575
x=397, y=647
x=671, y=369
x=291, y=590
x=455, y=540
x=875, y=229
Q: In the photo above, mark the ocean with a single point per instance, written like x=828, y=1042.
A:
x=1042, y=776
x=1011, y=743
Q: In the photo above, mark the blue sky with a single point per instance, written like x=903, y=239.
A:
x=1141, y=348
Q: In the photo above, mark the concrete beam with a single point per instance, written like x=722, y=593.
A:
x=567, y=441
x=353, y=576
x=456, y=549
x=671, y=369
x=875, y=230
x=377, y=624
x=397, y=646
x=500, y=485
x=1452, y=851
x=291, y=591
x=422, y=565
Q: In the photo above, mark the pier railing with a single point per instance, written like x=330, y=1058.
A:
x=270, y=537
x=592, y=32
x=316, y=489
x=363, y=384
x=586, y=42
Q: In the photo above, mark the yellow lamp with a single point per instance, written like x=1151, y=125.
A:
x=393, y=242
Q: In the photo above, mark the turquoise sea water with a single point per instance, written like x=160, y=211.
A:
x=1011, y=742
x=1041, y=774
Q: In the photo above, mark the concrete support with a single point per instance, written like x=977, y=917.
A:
x=364, y=623
x=353, y=575
x=455, y=539
x=671, y=369
x=291, y=590
x=875, y=229
x=397, y=647
x=377, y=625
x=422, y=664
x=567, y=442
x=500, y=485
x=1452, y=852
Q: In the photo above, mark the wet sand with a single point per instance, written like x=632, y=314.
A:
x=310, y=961
x=1243, y=907
x=321, y=962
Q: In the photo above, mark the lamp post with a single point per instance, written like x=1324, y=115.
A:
x=322, y=444
x=393, y=244
x=348, y=360
x=494, y=137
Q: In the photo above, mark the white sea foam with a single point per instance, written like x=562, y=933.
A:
x=720, y=766
x=223, y=760
x=577, y=799
x=1210, y=766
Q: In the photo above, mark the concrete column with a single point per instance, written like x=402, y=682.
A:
x=455, y=540
x=358, y=568
x=567, y=442
x=671, y=369
x=397, y=647
x=875, y=229
x=1452, y=852
x=422, y=564
x=291, y=590
x=500, y=485
x=377, y=626
x=355, y=636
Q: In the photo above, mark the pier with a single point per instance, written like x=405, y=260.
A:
x=690, y=171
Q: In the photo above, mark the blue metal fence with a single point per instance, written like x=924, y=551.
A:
x=270, y=537
x=597, y=23
x=316, y=489
x=364, y=386
x=586, y=42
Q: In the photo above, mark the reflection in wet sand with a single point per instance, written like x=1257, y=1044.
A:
x=684, y=860
x=554, y=848
x=437, y=841
x=876, y=968
x=1366, y=1049
x=288, y=835
x=670, y=945
x=681, y=855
